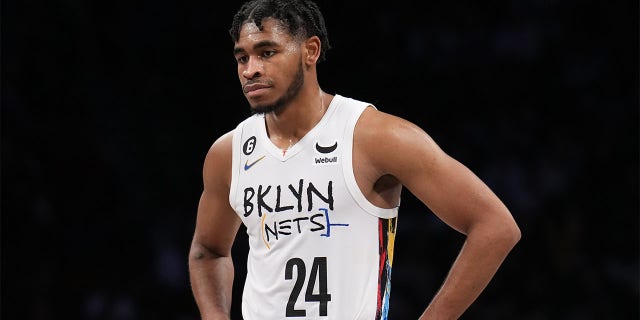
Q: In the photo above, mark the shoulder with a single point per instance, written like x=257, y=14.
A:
x=221, y=145
x=217, y=162
x=390, y=142
x=375, y=125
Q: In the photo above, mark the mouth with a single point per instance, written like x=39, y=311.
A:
x=254, y=88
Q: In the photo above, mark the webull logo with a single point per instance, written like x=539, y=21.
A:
x=325, y=160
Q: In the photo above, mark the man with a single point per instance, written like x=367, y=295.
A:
x=316, y=179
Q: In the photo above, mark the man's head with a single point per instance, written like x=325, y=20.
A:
x=277, y=44
x=301, y=18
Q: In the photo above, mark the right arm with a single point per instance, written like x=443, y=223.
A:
x=210, y=264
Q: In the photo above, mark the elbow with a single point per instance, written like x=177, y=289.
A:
x=501, y=238
x=510, y=233
x=501, y=233
x=514, y=234
x=196, y=255
x=200, y=251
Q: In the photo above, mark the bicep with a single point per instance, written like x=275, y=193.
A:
x=216, y=221
x=449, y=188
x=216, y=224
x=454, y=193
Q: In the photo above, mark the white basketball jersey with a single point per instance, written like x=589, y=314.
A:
x=318, y=248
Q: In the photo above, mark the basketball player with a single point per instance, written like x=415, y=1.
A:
x=316, y=178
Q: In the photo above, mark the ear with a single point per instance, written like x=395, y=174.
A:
x=311, y=50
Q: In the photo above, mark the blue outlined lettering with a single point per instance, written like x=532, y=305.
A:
x=275, y=229
x=329, y=224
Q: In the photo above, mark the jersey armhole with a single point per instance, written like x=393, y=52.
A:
x=347, y=167
x=235, y=164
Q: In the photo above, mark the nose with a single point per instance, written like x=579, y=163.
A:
x=253, y=68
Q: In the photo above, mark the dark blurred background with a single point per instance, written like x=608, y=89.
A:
x=108, y=108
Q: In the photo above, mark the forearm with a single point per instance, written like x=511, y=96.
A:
x=479, y=259
x=211, y=279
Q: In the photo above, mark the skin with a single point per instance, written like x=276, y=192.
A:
x=389, y=154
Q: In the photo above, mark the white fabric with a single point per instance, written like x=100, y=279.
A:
x=302, y=209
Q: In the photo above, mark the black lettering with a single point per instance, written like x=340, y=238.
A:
x=298, y=194
x=326, y=160
x=273, y=231
x=261, y=203
x=284, y=224
x=278, y=208
x=248, y=205
x=297, y=220
x=320, y=225
x=328, y=199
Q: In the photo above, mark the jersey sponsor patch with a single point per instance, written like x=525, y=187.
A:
x=326, y=149
x=323, y=161
x=324, y=154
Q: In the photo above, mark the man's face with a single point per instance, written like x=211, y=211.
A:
x=269, y=66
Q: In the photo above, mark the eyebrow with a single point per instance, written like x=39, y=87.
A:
x=258, y=45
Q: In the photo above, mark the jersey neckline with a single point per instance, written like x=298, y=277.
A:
x=306, y=140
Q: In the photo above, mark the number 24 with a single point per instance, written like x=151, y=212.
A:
x=319, y=271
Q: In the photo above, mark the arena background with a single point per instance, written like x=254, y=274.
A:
x=108, y=108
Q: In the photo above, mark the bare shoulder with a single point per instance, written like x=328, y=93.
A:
x=221, y=145
x=390, y=135
x=217, y=162
x=379, y=122
x=395, y=146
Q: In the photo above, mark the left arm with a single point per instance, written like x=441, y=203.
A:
x=465, y=203
x=457, y=196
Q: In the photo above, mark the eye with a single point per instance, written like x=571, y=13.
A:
x=268, y=53
x=242, y=59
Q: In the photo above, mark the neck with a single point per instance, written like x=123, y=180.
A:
x=288, y=126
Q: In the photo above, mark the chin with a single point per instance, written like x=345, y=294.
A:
x=260, y=107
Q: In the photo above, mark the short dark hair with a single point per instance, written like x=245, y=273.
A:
x=302, y=18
